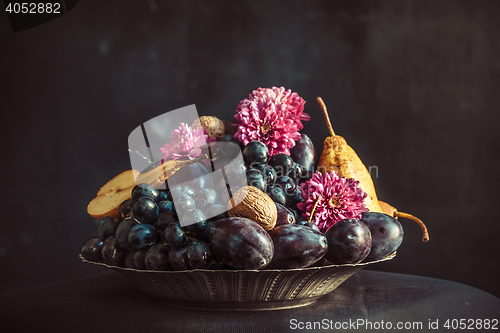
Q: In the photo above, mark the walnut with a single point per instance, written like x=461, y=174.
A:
x=252, y=203
x=213, y=125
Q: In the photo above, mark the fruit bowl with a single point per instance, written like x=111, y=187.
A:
x=241, y=290
x=242, y=219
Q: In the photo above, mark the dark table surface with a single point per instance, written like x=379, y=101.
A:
x=368, y=301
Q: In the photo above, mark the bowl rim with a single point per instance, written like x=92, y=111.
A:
x=235, y=271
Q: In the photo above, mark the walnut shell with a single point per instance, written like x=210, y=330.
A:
x=252, y=203
x=213, y=125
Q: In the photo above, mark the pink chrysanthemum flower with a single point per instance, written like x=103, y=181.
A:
x=186, y=144
x=273, y=116
x=341, y=199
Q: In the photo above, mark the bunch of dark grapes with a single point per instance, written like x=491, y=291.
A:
x=174, y=229
x=278, y=176
x=169, y=229
x=158, y=230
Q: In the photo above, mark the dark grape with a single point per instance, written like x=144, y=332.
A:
x=205, y=198
x=230, y=181
x=255, y=152
x=125, y=208
x=235, y=170
x=294, y=198
x=282, y=163
x=180, y=190
x=177, y=258
x=135, y=258
x=162, y=196
x=142, y=236
x=268, y=172
x=285, y=216
x=194, y=175
x=305, y=176
x=184, y=203
x=216, y=212
x=145, y=210
x=193, y=219
x=199, y=255
x=122, y=232
x=304, y=153
x=112, y=254
x=92, y=249
x=107, y=226
x=277, y=194
x=156, y=257
x=295, y=172
x=221, y=187
x=203, y=231
x=387, y=234
x=296, y=246
x=194, y=223
x=295, y=212
x=349, y=242
x=229, y=146
x=129, y=259
x=241, y=243
x=140, y=258
x=287, y=184
x=256, y=179
x=165, y=206
x=174, y=236
x=145, y=190
x=165, y=219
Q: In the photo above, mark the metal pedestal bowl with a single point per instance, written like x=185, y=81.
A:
x=242, y=290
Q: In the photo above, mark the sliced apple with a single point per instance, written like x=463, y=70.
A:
x=157, y=176
x=112, y=194
x=120, y=182
x=119, y=188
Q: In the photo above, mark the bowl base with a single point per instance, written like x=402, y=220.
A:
x=242, y=306
x=241, y=290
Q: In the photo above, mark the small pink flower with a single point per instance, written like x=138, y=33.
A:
x=341, y=199
x=186, y=144
x=273, y=116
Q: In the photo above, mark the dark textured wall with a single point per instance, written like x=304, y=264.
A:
x=412, y=85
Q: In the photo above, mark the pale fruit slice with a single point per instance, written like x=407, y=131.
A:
x=158, y=175
x=118, y=189
x=120, y=182
x=112, y=194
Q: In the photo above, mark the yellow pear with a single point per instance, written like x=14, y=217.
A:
x=339, y=156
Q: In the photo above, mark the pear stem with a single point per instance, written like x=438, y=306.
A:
x=425, y=234
x=314, y=208
x=322, y=105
